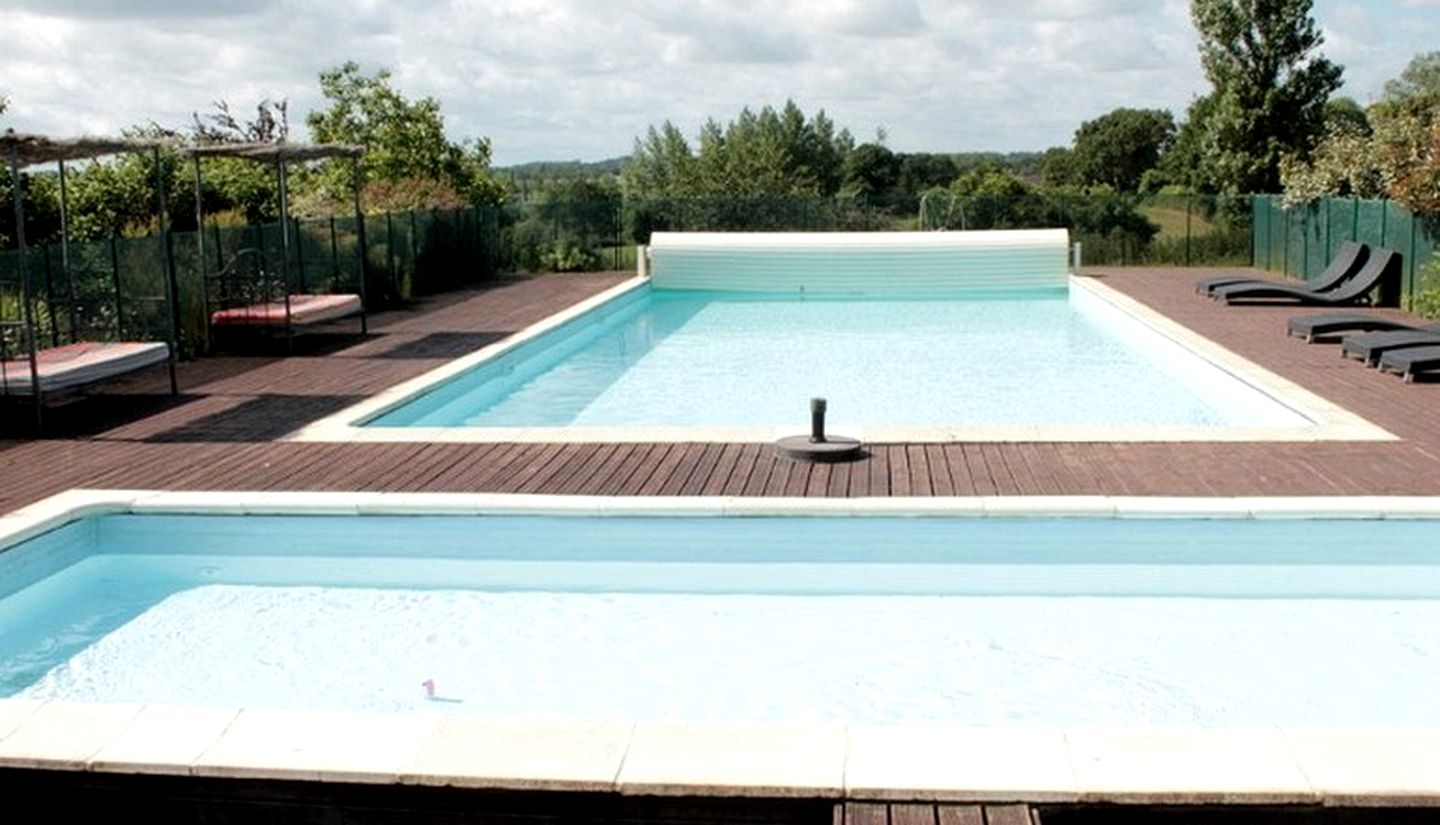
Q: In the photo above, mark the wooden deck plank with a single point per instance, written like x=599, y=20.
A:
x=941, y=482
x=912, y=814
x=866, y=813
x=1007, y=815
x=595, y=458
x=959, y=815
x=899, y=470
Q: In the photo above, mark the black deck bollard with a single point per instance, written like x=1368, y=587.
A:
x=817, y=446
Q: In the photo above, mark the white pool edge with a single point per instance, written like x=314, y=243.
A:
x=1330, y=421
x=1324, y=766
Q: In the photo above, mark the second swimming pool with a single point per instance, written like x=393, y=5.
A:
x=966, y=620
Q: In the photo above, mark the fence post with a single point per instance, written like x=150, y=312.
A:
x=300, y=256
x=334, y=258
x=415, y=247
x=50, y=299
x=115, y=281
x=479, y=241
x=1285, y=256
x=390, y=252
x=1414, y=272
x=1189, y=202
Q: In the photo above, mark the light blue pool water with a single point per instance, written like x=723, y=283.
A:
x=857, y=620
x=680, y=358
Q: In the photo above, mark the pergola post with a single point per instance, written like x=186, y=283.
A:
x=200, y=249
x=284, y=185
x=361, y=248
x=65, y=257
x=167, y=259
x=25, y=298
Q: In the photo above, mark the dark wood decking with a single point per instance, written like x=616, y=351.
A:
x=221, y=434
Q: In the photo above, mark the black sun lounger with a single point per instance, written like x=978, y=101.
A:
x=1321, y=325
x=1382, y=268
x=1371, y=346
x=1411, y=361
x=1347, y=261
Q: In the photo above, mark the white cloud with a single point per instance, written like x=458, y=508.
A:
x=569, y=78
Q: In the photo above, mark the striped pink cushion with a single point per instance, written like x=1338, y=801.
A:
x=81, y=363
x=304, y=309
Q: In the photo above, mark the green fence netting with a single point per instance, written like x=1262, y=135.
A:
x=408, y=254
x=1301, y=240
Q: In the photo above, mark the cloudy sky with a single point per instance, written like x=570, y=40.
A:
x=568, y=79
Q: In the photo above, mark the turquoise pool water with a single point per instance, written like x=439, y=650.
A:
x=859, y=620
x=680, y=358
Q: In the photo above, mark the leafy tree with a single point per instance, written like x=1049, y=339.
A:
x=1344, y=164
x=871, y=169
x=1420, y=80
x=1058, y=167
x=1344, y=116
x=1118, y=148
x=404, y=140
x=662, y=165
x=1183, y=165
x=1270, y=88
x=768, y=152
x=921, y=171
x=1397, y=154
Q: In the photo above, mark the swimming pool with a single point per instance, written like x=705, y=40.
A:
x=640, y=363
x=964, y=619
x=672, y=358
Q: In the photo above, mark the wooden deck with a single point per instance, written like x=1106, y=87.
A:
x=221, y=434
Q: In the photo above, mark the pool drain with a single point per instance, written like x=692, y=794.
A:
x=817, y=446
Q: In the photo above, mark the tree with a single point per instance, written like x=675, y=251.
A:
x=403, y=140
x=1270, y=88
x=921, y=171
x=1419, y=80
x=662, y=165
x=1057, y=167
x=1396, y=154
x=871, y=169
x=768, y=152
x=1117, y=149
x=1344, y=116
x=1183, y=165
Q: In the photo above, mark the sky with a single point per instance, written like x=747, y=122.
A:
x=580, y=79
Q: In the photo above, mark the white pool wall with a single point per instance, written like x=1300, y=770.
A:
x=857, y=263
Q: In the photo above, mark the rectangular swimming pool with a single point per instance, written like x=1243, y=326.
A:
x=676, y=358
x=967, y=620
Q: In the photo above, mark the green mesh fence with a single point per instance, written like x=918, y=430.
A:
x=1301, y=240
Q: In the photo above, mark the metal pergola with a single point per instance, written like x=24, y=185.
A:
x=24, y=150
x=281, y=155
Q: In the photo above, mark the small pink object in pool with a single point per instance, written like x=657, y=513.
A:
x=81, y=363
x=304, y=309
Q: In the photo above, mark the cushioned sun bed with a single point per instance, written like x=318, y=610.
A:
x=78, y=364
x=1381, y=269
x=1411, y=361
x=304, y=310
x=1347, y=261
x=1325, y=324
x=1371, y=346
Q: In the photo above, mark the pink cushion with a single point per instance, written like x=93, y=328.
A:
x=81, y=363
x=304, y=309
